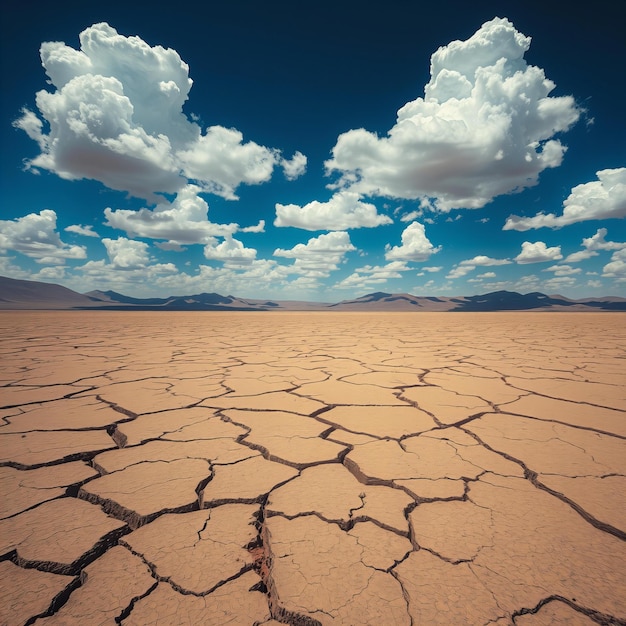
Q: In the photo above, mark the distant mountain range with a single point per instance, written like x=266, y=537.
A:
x=26, y=294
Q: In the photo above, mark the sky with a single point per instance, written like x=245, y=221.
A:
x=315, y=150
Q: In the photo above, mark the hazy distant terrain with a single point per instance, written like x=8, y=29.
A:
x=25, y=294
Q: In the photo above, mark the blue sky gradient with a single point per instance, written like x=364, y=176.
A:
x=323, y=150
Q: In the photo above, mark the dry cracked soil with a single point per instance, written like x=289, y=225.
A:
x=312, y=468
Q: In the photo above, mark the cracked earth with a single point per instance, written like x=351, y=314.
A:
x=312, y=468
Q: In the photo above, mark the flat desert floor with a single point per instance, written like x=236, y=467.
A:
x=312, y=468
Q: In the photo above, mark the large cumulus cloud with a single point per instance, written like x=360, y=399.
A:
x=486, y=126
x=115, y=115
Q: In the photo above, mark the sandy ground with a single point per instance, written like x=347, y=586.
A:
x=312, y=468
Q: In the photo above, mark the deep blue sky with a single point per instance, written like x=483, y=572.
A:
x=466, y=195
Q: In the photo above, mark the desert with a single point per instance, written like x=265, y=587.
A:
x=312, y=468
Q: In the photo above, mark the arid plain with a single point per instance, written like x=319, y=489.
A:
x=312, y=468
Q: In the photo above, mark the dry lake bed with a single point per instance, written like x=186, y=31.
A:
x=312, y=468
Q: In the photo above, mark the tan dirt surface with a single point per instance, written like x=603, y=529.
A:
x=311, y=469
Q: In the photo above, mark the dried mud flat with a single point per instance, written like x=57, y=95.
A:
x=312, y=468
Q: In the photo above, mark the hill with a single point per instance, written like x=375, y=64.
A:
x=25, y=294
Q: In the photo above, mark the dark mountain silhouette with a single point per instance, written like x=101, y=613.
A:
x=25, y=294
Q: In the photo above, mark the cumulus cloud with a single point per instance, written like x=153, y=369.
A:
x=558, y=282
x=468, y=265
x=581, y=255
x=294, y=167
x=592, y=245
x=35, y=235
x=230, y=250
x=320, y=255
x=79, y=229
x=126, y=254
x=343, y=211
x=604, y=198
x=182, y=221
x=415, y=245
x=369, y=275
x=563, y=270
x=219, y=161
x=598, y=242
x=139, y=280
x=617, y=266
x=485, y=127
x=538, y=252
x=258, y=228
x=115, y=115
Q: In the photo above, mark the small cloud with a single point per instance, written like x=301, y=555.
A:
x=182, y=221
x=538, y=252
x=259, y=228
x=413, y=215
x=617, y=266
x=78, y=229
x=468, y=265
x=230, y=250
x=343, y=211
x=294, y=167
x=127, y=254
x=35, y=236
x=169, y=246
x=563, y=270
x=604, y=198
x=319, y=256
x=415, y=245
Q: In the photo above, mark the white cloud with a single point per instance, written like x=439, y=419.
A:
x=468, y=265
x=598, y=242
x=369, y=275
x=183, y=221
x=232, y=251
x=343, y=211
x=259, y=228
x=219, y=161
x=592, y=245
x=432, y=269
x=487, y=275
x=617, y=266
x=413, y=215
x=559, y=282
x=294, y=167
x=319, y=256
x=35, y=235
x=483, y=260
x=115, y=115
x=126, y=254
x=79, y=229
x=138, y=281
x=459, y=271
x=563, y=270
x=484, y=127
x=537, y=252
x=581, y=255
x=415, y=245
x=604, y=198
